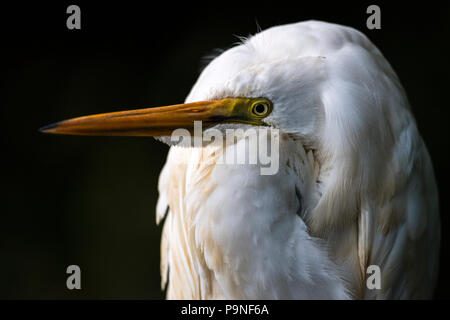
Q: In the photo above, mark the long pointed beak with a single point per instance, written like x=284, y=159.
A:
x=159, y=121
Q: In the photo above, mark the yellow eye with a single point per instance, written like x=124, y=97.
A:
x=261, y=108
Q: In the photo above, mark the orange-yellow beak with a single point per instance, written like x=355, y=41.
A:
x=161, y=121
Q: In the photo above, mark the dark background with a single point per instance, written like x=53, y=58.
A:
x=90, y=200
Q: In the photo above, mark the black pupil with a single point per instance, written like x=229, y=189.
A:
x=260, y=108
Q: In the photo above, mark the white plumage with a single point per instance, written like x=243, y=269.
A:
x=355, y=185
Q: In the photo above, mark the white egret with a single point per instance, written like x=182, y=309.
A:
x=355, y=185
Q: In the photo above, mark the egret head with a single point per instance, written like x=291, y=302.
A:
x=254, y=83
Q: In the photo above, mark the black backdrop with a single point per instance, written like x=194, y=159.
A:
x=90, y=201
